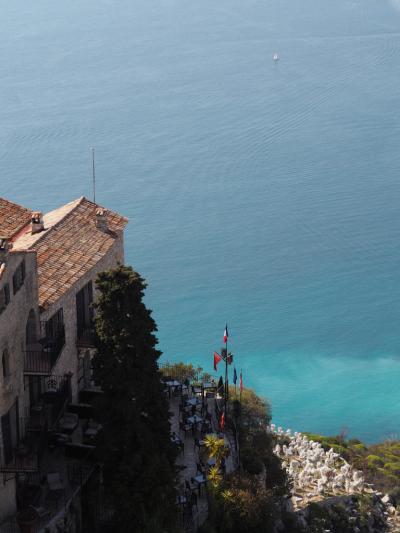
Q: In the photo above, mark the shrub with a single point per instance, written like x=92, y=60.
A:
x=373, y=461
x=392, y=468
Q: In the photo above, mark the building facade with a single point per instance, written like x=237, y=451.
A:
x=48, y=268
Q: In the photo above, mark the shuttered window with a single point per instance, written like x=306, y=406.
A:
x=19, y=277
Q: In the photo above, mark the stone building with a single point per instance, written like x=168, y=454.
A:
x=18, y=321
x=48, y=267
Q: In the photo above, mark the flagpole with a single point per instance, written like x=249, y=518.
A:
x=241, y=386
x=226, y=372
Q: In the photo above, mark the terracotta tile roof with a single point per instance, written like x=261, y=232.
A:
x=70, y=246
x=13, y=218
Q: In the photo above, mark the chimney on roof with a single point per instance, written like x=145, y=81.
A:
x=37, y=223
x=101, y=219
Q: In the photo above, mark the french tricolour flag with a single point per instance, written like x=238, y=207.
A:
x=226, y=334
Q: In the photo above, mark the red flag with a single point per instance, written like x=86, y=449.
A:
x=217, y=359
x=222, y=420
x=226, y=334
x=241, y=382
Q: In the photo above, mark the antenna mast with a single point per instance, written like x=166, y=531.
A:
x=93, y=177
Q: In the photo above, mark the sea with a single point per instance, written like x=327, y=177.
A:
x=263, y=194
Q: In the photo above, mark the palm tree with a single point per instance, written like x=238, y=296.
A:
x=216, y=448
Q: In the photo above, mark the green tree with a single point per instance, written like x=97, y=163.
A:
x=134, y=447
x=251, y=418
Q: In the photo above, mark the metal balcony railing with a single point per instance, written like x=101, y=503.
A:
x=38, y=362
x=40, y=359
x=86, y=336
x=18, y=459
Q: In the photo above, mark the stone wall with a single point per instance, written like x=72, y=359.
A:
x=68, y=359
x=13, y=322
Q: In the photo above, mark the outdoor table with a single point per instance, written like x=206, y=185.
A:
x=193, y=401
x=172, y=383
x=181, y=500
x=200, y=480
x=195, y=419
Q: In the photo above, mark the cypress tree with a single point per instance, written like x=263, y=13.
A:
x=135, y=448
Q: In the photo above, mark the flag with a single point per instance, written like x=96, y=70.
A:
x=217, y=359
x=226, y=334
x=234, y=376
x=222, y=420
x=241, y=382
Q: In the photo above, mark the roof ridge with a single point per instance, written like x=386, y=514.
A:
x=45, y=232
x=14, y=203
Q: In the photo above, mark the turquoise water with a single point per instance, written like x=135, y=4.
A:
x=265, y=194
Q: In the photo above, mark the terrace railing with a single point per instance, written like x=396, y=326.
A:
x=41, y=357
x=86, y=336
x=39, y=362
x=15, y=460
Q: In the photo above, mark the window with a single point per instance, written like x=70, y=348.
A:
x=18, y=277
x=30, y=329
x=7, y=296
x=84, y=309
x=4, y=297
x=55, y=335
x=55, y=325
x=5, y=364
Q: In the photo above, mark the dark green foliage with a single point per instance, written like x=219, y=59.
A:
x=251, y=418
x=135, y=446
x=243, y=507
x=182, y=372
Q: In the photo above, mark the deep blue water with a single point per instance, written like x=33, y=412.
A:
x=265, y=194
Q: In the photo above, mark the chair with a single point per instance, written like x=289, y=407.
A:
x=201, y=480
x=56, y=487
x=184, y=427
x=200, y=468
x=193, y=500
x=54, y=481
x=41, y=511
x=184, y=398
x=91, y=431
x=68, y=423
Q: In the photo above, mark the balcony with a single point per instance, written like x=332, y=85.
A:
x=41, y=357
x=86, y=336
x=24, y=455
x=39, y=362
x=65, y=478
x=19, y=459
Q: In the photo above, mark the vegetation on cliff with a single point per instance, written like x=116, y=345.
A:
x=380, y=463
x=248, y=500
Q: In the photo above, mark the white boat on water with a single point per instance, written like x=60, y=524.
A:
x=276, y=57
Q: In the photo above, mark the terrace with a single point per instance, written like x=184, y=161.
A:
x=195, y=406
x=54, y=462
